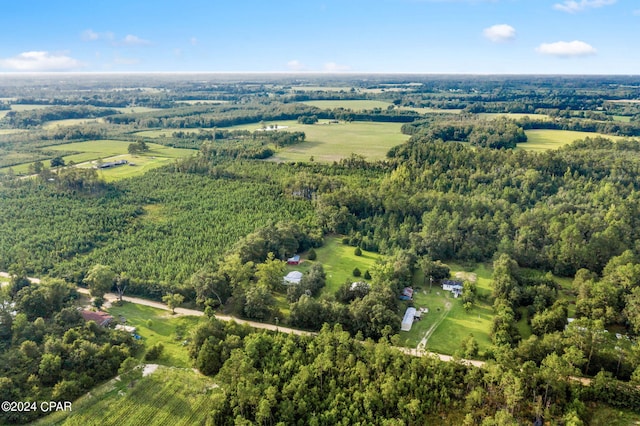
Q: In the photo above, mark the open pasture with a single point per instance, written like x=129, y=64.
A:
x=513, y=115
x=70, y=122
x=432, y=110
x=542, y=139
x=159, y=326
x=354, y=105
x=328, y=142
x=106, y=150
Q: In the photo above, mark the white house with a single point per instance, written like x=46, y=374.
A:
x=293, y=277
x=454, y=287
x=407, y=321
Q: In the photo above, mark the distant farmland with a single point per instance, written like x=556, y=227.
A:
x=542, y=140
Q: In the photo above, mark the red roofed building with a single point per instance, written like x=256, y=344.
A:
x=101, y=318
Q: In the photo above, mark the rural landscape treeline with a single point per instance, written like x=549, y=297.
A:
x=198, y=191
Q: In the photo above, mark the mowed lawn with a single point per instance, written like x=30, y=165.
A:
x=168, y=396
x=447, y=324
x=159, y=326
x=338, y=261
x=543, y=139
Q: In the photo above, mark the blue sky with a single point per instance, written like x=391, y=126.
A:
x=395, y=36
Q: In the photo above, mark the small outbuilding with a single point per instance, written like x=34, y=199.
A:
x=407, y=321
x=293, y=277
x=295, y=260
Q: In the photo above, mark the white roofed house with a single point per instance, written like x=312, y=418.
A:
x=292, y=277
x=407, y=321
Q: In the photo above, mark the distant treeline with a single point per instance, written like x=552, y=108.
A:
x=36, y=117
x=233, y=115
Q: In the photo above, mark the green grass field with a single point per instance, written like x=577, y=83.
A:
x=354, y=105
x=542, y=140
x=168, y=396
x=447, y=324
x=515, y=116
x=70, y=122
x=339, y=261
x=331, y=142
x=433, y=110
x=10, y=131
x=107, y=150
x=162, y=330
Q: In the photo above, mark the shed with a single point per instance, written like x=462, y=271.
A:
x=293, y=277
x=407, y=321
x=293, y=260
x=127, y=328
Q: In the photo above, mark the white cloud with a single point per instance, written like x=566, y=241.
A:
x=333, y=67
x=40, y=61
x=296, y=65
x=636, y=12
x=193, y=41
x=90, y=35
x=573, y=6
x=566, y=49
x=500, y=33
x=132, y=40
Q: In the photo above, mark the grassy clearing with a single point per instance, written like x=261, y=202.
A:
x=28, y=107
x=107, y=150
x=168, y=396
x=159, y=326
x=447, y=324
x=339, y=262
x=354, y=105
x=331, y=142
x=325, y=142
x=50, y=125
x=622, y=118
x=10, y=131
x=515, y=116
x=433, y=110
x=136, y=109
x=542, y=139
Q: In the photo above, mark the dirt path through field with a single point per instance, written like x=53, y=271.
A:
x=423, y=343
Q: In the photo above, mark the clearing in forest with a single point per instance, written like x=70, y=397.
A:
x=329, y=141
x=543, y=139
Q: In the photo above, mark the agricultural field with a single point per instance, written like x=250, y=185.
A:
x=514, y=116
x=432, y=110
x=447, y=324
x=542, y=140
x=159, y=326
x=328, y=142
x=108, y=150
x=354, y=105
x=70, y=122
x=167, y=396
